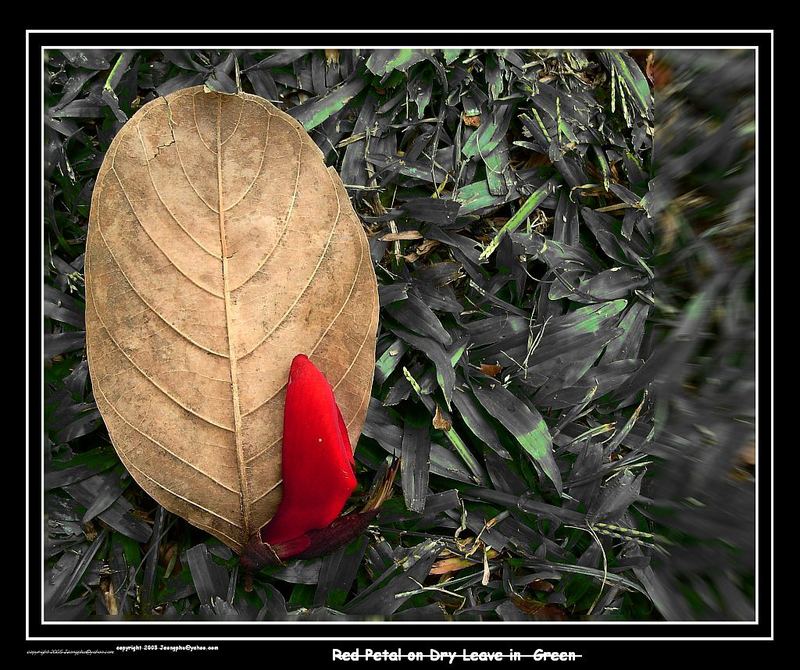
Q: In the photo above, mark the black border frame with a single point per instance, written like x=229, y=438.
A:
x=353, y=635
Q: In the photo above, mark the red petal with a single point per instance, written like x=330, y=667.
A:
x=317, y=465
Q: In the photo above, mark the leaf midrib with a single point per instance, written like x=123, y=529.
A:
x=237, y=414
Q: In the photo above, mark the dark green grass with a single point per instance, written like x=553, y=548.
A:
x=582, y=332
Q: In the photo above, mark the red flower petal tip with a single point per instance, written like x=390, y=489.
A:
x=317, y=467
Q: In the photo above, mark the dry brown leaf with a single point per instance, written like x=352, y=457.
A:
x=448, y=565
x=403, y=235
x=658, y=72
x=166, y=553
x=540, y=611
x=455, y=563
x=744, y=467
x=541, y=585
x=473, y=121
x=440, y=422
x=109, y=597
x=426, y=247
x=491, y=369
x=90, y=531
x=747, y=455
x=219, y=247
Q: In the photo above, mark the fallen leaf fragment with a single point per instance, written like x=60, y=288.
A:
x=473, y=121
x=404, y=235
x=491, y=369
x=440, y=422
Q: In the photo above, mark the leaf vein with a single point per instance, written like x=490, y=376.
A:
x=370, y=329
x=156, y=244
x=142, y=298
x=150, y=379
x=307, y=284
x=325, y=332
x=287, y=221
x=184, y=498
x=260, y=166
x=161, y=199
x=163, y=447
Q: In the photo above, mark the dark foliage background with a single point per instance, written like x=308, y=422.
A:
x=566, y=355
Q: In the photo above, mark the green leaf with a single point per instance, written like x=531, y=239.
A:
x=631, y=80
x=383, y=61
x=388, y=360
x=477, y=196
x=451, y=54
x=534, y=200
x=318, y=110
x=525, y=424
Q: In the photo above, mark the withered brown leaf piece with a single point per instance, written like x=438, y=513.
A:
x=219, y=247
